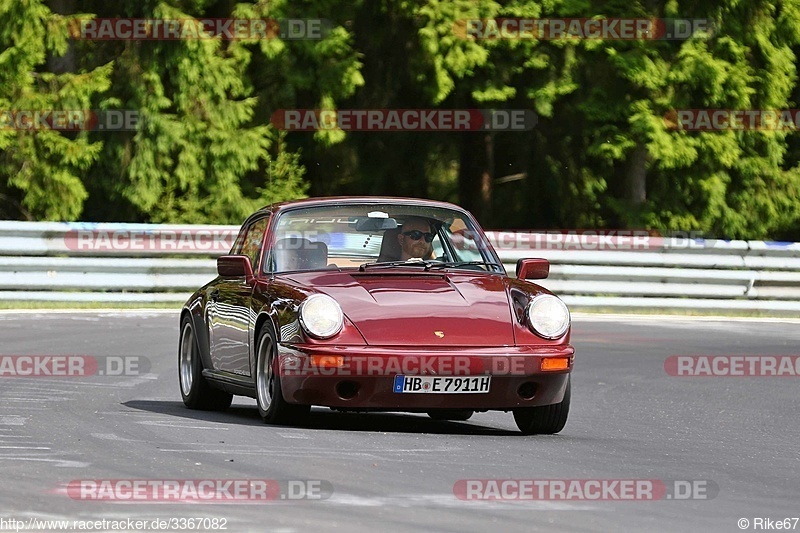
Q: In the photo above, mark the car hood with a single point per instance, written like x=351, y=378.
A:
x=399, y=308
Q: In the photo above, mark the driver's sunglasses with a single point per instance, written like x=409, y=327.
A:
x=416, y=235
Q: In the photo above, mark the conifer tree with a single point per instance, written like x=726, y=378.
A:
x=42, y=170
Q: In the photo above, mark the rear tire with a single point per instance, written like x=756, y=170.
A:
x=451, y=414
x=269, y=395
x=545, y=419
x=195, y=390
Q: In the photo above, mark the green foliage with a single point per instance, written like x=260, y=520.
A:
x=725, y=183
x=602, y=154
x=41, y=172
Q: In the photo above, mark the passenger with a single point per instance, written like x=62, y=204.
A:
x=461, y=237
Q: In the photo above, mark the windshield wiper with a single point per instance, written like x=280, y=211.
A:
x=428, y=264
x=457, y=264
x=410, y=262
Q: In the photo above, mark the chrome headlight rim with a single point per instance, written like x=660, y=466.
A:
x=529, y=318
x=338, y=322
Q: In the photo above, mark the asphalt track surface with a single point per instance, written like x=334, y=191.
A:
x=397, y=472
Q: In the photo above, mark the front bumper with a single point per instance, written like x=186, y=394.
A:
x=362, y=377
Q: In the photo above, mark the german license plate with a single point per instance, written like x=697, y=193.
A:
x=442, y=384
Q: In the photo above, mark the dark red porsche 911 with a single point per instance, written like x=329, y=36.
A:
x=375, y=304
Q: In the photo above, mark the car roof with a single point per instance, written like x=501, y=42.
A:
x=344, y=200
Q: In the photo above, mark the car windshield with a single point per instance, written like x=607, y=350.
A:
x=378, y=236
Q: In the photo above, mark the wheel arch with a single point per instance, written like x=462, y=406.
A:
x=194, y=310
x=264, y=317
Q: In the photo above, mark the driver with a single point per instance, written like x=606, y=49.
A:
x=415, y=239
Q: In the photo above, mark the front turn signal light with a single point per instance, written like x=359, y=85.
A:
x=555, y=363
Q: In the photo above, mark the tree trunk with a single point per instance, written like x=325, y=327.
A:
x=475, y=175
x=65, y=63
x=636, y=175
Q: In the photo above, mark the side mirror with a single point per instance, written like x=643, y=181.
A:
x=234, y=266
x=533, y=268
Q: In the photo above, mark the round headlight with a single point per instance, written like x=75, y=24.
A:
x=321, y=316
x=548, y=316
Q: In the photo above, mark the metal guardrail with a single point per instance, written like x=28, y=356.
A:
x=76, y=262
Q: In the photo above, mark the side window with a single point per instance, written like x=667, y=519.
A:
x=252, y=241
x=463, y=242
x=438, y=249
x=237, y=245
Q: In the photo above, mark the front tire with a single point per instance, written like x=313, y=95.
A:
x=269, y=395
x=545, y=419
x=195, y=390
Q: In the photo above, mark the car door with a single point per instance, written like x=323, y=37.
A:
x=230, y=310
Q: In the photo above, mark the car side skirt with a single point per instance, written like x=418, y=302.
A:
x=230, y=383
